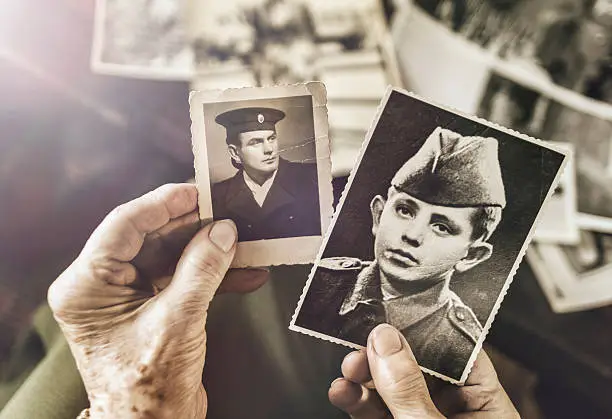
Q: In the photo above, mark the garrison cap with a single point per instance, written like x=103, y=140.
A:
x=455, y=171
x=240, y=120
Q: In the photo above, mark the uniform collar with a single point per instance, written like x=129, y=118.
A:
x=401, y=312
x=240, y=199
x=260, y=192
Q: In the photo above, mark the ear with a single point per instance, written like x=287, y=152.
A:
x=233, y=152
x=376, y=208
x=478, y=252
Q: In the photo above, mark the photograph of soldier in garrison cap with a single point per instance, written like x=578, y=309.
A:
x=268, y=168
x=433, y=223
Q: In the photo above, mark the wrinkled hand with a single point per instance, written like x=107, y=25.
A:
x=133, y=305
x=401, y=389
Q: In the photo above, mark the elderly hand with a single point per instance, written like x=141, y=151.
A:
x=401, y=390
x=133, y=305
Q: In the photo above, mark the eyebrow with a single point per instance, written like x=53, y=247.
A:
x=255, y=139
x=414, y=205
x=441, y=218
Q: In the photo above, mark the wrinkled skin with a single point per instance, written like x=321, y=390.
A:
x=133, y=305
x=391, y=385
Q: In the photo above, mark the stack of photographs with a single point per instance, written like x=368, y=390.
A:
x=244, y=43
x=544, y=70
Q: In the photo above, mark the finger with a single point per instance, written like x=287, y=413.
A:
x=483, y=372
x=355, y=367
x=202, y=267
x=121, y=234
x=480, y=387
x=356, y=400
x=397, y=376
x=243, y=280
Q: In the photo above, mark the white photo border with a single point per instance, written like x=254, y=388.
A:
x=292, y=250
x=580, y=292
x=517, y=262
x=571, y=234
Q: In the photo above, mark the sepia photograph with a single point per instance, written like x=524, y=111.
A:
x=574, y=278
x=142, y=38
x=559, y=223
x=434, y=222
x=262, y=156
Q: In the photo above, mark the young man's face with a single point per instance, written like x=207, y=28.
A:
x=416, y=241
x=257, y=151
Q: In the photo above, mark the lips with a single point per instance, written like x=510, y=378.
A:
x=270, y=160
x=405, y=258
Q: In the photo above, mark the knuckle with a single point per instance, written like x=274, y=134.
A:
x=58, y=296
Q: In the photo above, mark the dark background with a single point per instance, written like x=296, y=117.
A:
x=528, y=171
x=296, y=133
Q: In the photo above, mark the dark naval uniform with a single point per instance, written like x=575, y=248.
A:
x=441, y=330
x=291, y=208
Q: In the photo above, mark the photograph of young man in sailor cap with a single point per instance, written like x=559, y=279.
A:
x=269, y=197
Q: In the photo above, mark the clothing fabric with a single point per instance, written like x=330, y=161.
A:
x=290, y=209
x=345, y=301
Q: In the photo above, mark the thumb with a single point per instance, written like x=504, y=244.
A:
x=397, y=376
x=202, y=266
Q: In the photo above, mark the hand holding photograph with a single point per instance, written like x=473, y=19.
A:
x=262, y=159
x=432, y=226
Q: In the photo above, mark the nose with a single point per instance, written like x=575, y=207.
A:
x=268, y=148
x=414, y=233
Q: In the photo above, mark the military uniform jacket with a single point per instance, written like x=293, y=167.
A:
x=291, y=208
x=345, y=301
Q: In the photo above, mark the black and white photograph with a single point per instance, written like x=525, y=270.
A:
x=143, y=39
x=262, y=155
x=432, y=225
x=575, y=278
x=559, y=222
x=345, y=44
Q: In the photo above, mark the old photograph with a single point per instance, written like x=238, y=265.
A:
x=142, y=38
x=262, y=159
x=575, y=278
x=559, y=222
x=430, y=230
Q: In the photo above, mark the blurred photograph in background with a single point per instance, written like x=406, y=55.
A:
x=141, y=38
x=574, y=278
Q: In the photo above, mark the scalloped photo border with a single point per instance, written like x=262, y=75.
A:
x=270, y=252
x=517, y=262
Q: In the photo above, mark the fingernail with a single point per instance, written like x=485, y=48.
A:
x=386, y=340
x=223, y=234
x=337, y=380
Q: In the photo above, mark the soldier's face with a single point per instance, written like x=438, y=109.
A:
x=417, y=241
x=257, y=151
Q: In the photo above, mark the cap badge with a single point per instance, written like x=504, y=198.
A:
x=260, y=118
